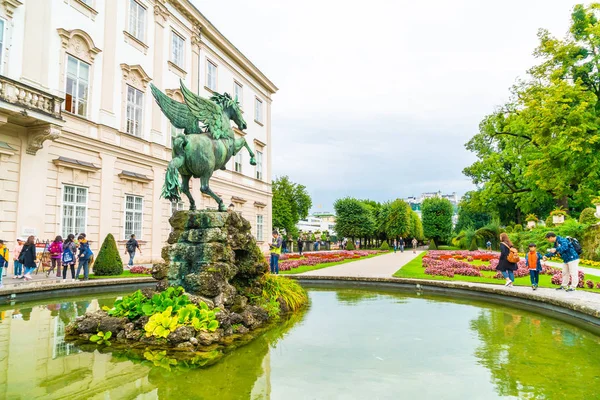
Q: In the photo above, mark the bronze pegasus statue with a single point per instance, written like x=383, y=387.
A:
x=207, y=143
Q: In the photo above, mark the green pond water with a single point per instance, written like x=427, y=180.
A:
x=349, y=344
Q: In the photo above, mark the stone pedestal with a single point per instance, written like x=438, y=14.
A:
x=531, y=224
x=597, y=210
x=558, y=219
x=210, y=253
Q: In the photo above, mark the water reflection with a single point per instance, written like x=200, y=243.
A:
x=535, y=357
x=352, y=343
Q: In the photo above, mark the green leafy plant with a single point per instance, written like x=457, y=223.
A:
x=558, y=211
x=531, y=217
x=384, y=246
x=278, y=287
x=350, y=246
x=108, y=261
x=588, y=216
x=101, y=338
x=200, y=318
x=161, y=324
x=473, y=246
x=160, y=359
x=129, y=306
x=596, y=200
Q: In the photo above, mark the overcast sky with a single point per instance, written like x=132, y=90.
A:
x=377, y=98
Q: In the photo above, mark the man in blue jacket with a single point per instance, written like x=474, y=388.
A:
x=564, y=248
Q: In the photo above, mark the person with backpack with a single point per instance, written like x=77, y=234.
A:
x=85, y=253
x=130, y=247
x=68, y=257
x=28, y=257
x=56, y=250
x=569, y=250
x=401, y=244
x=507, y=264
x=4, y=257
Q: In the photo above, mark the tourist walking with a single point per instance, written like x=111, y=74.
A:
x=506, y=267
x=68, y=257
x=28, y=257
x=284, y=245
x=275, y=252
x=130, y=247
x=4, y=257
x=299, y=243
x=85, y=253
x=570, y=257
x=395, y=245
x=534, y=262
x=488, y=246
x=17, y=266
x=401, y=244
x=415, y=242
x=55, y=250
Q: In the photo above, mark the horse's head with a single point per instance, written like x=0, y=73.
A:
x=231, y=108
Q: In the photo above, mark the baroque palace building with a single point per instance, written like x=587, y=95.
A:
x=84, y=147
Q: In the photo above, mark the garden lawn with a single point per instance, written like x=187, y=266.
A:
x=126, y=274
x=306, y=268
x=414, y=269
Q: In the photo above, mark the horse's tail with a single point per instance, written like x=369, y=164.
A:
x=172, y=185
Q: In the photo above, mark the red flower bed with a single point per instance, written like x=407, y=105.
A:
x=557, y=279
x=289, y=262
x=138, y=269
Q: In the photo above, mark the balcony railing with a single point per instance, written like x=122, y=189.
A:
x=30, y=98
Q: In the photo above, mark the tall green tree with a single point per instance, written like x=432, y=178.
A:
x=416, y=227
x=353, y=218
x=437, y=219
x=398, y=219
x=291, y=203
x=535, y=150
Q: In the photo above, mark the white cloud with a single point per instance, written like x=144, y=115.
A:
x=378, y=98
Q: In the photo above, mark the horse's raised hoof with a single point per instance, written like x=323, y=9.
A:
x=252, y=161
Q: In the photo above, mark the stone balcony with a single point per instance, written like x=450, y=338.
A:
x=32, y=108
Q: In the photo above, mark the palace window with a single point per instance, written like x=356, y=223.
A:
x=259, y=228
x=135, y=111
x=237, y=162
x=74, y=210
x=258, y=111
x=211, y=76
x=76, y=93
x=137, y=20
x=237, y=93
x=259, y=165
x=2, y=44
x=177, y=48
x=133, y=216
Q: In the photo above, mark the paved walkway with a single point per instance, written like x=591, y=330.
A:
x=376, y=267
x=386, y=265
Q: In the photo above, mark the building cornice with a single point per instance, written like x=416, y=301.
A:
x=207, y=29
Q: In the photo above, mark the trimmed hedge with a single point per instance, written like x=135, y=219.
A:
x=588, y=216
x=350, y=246
x=473, y=246
x=384, y=246
x=432, y=245
x=108, y=261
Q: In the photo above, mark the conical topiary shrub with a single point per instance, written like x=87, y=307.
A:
x=350, y=246
x=432, y=245
x=384, y=246
x=473, y=246
x=108, y=261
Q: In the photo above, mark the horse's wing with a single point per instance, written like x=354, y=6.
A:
x=178, y=113
x=206, y=111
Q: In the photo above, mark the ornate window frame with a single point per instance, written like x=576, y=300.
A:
x=136, y=77
x=77, y=43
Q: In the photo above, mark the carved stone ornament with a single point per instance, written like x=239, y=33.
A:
x=161, y=14
x=10, y=6
x=135, y=76
x=79, y=44
x=37, y=135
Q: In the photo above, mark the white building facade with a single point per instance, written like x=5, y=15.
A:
x=84, y=147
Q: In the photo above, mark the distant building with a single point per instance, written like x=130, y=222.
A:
x=416, y=202
x=321, y=222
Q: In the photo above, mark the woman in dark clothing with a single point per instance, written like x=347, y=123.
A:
x=68, y=256
x=28, y=257
x=504, y=266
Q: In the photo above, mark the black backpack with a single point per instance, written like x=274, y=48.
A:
x=576, y=246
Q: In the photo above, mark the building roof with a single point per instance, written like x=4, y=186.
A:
x=212, y=32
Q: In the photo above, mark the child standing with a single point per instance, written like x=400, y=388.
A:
x=534, y=262
x=4, y=257
x=56, y=250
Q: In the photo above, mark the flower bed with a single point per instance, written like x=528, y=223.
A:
x=290, y=261
x=139, y=269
